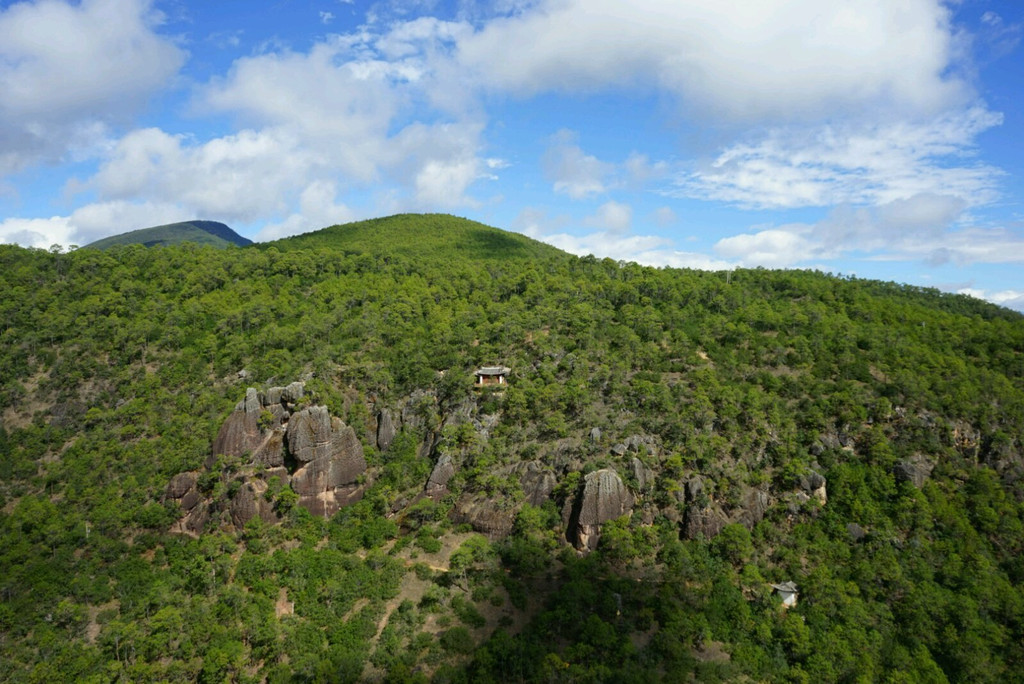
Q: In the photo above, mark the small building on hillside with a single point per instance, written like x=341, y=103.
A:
x=787, y=591
x=491, y=375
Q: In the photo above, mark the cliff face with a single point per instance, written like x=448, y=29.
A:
x=271, y=443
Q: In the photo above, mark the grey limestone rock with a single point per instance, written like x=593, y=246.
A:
x=916, y=470
x=602, y=497
x=444, y=470
x=644, y=476
x=754, y=504
x=309, y=434
x=486, y=516
x=249, y=503
x=180, y=484
x=537, y=481
x=386, y=429
x=704, y=522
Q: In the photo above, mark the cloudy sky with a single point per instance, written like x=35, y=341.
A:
x=878, y=138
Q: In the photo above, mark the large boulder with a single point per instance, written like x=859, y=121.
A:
x=602, y=497
x=241, y=434
x=537, y=482
x=331, y=459
x=916, y=470
x=814, y=484
x=486, y=515
x=753, y=506
x=180, y=484
x=706, y=522
x=643, y=475
x=249, y=503
x=437, y=483
x=309, y=434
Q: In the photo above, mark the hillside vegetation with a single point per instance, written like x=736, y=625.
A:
x=209, y=233
x=860, y=439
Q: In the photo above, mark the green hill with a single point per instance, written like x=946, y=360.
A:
x=200, y=232
x=273, y=464
x=431, y=237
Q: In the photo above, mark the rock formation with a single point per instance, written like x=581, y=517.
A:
x=386, y=429
x=915, y=470
x=306, y=449
x=437, y=483
x=602, y=497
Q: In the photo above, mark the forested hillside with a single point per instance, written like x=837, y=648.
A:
x=669, y=445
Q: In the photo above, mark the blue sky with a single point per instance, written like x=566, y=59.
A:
x=867, y=137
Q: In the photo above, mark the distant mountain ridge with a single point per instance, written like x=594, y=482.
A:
x=211, y=233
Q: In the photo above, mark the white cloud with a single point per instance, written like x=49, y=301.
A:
x=614, y=240
x=317, y=209
x=747, y=59
x=664, y=216
x=573, y=172
x=614, y=217
x=923, y=228
x=326, y=17
x=247, y=176
x=770, y=248
x=852, y=163
x=90, y=223
x=1011, y=299
x=340, y=103
x=67, y=71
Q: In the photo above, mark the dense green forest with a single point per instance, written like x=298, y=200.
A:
x=860, y=439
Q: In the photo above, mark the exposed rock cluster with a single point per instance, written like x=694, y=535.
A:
x=273, y=441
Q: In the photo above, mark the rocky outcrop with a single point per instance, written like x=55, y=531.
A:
x=601, y=497
x=706, y=521
x=814, y=484
x=916, y=470
x=537, y=482
x=437, y=483
x=642, y=475
x=305, y=449
x=753, y=506
x=386, y=429
x=487, y=516
x=180, y=484
x=249, y=503
x=241, y=434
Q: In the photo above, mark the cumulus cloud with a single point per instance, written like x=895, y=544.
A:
x=572, y=171
x=745, y=60
x=317, y=208
x=614, y=238
x=115, y=55
x=923, y=228
x=851, y=163
x=771, y=248
x=613, y=217
x=579, y=175
x=1011, y=299
x=90, y=223
x=246, y=176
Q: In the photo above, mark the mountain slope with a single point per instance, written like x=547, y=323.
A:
x=210, y=233
x=669, y=446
